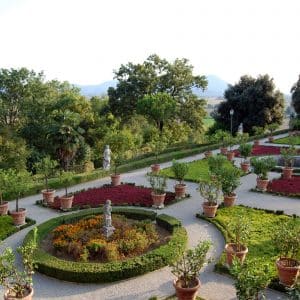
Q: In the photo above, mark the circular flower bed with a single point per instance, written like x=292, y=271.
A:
x=85, y=241
x=124, y=194
x=108, y=271
x=287, y=187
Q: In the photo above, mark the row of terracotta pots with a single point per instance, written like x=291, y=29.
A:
x=65, y=201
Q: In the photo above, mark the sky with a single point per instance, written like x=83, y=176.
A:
x=83, y=41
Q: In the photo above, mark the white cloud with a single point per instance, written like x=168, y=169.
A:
x=83, y=41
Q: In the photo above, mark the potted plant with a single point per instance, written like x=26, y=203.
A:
x=158, y=185
x=180, y=169
x=19, y=182
x=251, y=278
x=239, y=230
x=261, y=167
x=287, y=242
x=288, y=155
x=46, y=168
x=229, y=178
x=220, y=136
x=187, y=269
x=66, y=201
x=158, y=146
x=271, y=128
x=18, y=284
x=245, y=151
x=215, y=163
x=3, y=186
x=257, y=131
x=210, y=191
x=116, y=177
x=230, y=140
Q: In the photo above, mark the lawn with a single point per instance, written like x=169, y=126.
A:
x=198, y=170
x=262, y=226
x=6, y=227
x=288, y=140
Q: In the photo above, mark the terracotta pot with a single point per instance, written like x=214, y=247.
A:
x=245, y=166
x=231, y=252
x=19, y=216
x=28, y=297
x=288, y=270
x=271, y=139
x=261, y=184
x=48, y=196
x=287, y=173
x=208, y=154
x=155, y=168
x=223, y=150
x=158, y=200
x=66, y=202
x=180, y=190
x=115, y=179
x=3, y=208
x=229, y=199
x=230, y=155
x=256, y=143
x=186, y=293
x=209, y=210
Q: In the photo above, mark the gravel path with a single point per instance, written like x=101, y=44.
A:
x=157, y=283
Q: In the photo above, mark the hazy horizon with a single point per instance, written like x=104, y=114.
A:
x=84, y=41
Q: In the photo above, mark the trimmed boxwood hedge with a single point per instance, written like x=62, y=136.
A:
x=87, y=272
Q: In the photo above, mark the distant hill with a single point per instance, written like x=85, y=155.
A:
x=215, y=89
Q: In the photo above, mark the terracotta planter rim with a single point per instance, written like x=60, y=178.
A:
x=16, y=212
x=179, y=185
x=288, y=168
x=152, y=193
x=67, y=196
x=227, y=249
x=8, y=297
x=4, y=203
x=289, y=259
x=196, y=287
x=115, y=175
x=48, y=191
x=205, y=203
x=230, y=195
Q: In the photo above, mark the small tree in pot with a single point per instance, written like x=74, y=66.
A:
x=271, y=128
x=258, y=131
x=4, y=185
x=210, y=191
x=187, y=269
x=215, y=163
x=221, y=136
x=229, y=178
x=239, y=230
x=18, y=284
x=19, y=184
x=158, y=185
x=251, y=279
x=261, y=167
x=180, y=169
x=66, y=201
x=288, y=155
x=230, y=141
x=158, y=145
x=245, y=151
x=46, y=168
x=117, y=161
x=287, y=242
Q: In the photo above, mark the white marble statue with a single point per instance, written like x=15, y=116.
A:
x=106, y=158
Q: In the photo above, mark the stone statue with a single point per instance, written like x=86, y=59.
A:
x=108, y=229
x=241, y=129
x=106, y=158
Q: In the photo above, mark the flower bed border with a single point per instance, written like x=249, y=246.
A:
x=222, y=269
x=87, y=206
x=86, y=272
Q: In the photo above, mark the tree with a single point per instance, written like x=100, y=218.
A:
x=155, y=75
x=295, y=90
x=16, y=87
x=255, y=103
x=158, y=107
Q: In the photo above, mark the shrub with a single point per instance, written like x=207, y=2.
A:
x=158, y=183
x=215, y=163
x=180, y=169
x=245, y=150
x=210, y=191
x=261, y=166
x=229, y=178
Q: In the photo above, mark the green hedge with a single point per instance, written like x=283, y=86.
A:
x=107, y=272
x=168, y=222
x=143, y=161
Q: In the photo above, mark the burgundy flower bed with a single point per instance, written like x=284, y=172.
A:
x=288, y=187
x=124, y=194
x=262, y=150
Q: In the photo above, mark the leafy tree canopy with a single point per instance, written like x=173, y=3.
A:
x=296, y=96
x=255, y=103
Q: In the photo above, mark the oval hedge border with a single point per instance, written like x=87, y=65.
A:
x=86, y=272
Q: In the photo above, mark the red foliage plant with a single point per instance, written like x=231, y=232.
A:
x=288, y=187
x=263, y=150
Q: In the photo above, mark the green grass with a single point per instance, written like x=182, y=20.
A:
x=208, y=122
x=262, y=226
x=198, y=170
x=288, y=140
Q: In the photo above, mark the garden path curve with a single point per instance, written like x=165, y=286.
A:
x=157, y=283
